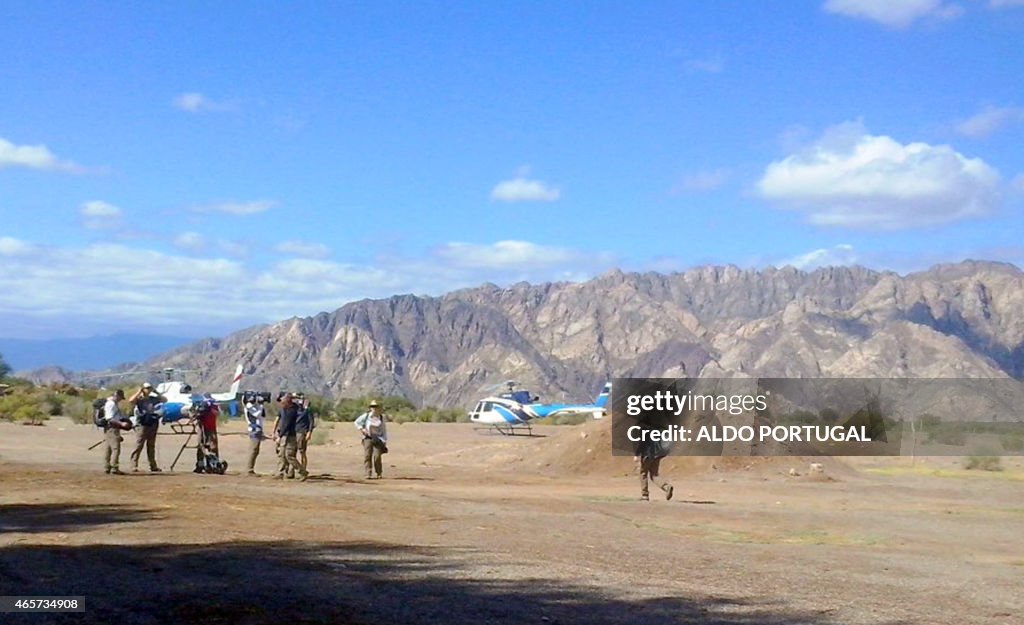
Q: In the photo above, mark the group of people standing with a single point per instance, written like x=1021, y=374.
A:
x=293, y=430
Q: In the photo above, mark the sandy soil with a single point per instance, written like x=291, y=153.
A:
x=469, y=527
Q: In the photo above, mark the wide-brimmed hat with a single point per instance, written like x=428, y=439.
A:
x=374, y=404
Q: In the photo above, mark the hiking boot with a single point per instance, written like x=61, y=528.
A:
x=305, y=476
x=155, y=470
x=668, y=492
x=644, y=498
x=116, y=472
x=379, y=476
x=253, y=474
x=107, y=470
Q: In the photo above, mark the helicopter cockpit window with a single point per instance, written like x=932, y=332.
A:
x=185, y=388
x=485, y=406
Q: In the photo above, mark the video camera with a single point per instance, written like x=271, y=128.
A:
x=258, y=397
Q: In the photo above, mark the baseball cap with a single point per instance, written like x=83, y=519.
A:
x=147, y=385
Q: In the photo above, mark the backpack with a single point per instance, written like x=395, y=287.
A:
x=99, y=412
x=211, y=464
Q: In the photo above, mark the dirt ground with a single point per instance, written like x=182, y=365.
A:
x=474, y=528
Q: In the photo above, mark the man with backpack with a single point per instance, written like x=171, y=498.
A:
x=146, y=403
x=112, y=420
x=649, y=454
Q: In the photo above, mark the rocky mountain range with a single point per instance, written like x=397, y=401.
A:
x=563, y=340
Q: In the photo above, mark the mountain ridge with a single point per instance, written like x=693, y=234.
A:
x=564, y=339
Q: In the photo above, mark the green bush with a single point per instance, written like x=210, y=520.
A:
x=1012, y=442
x=983, y=463
x=24, y=407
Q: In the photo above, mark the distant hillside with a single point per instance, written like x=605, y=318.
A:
x=98, y=352
x=566, y=339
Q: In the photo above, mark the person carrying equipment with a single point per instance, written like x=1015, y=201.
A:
x=113, y=421
x=147, y=417
x=208, y=451
x=373, y=425
x=255, y=413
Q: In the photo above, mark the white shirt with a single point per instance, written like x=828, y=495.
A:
x=375, y=425
x=111, y=411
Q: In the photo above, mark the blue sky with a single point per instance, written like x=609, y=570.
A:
x=191, y=169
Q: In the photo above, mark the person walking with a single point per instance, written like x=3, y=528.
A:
x=147, y=404
x=649, y=455
x=373, y=426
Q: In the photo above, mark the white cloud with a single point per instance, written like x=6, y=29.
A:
x=303, y=248
x=99, y=208
x=842, y=254
x=189, y=241
x=119, y=287
x=990, y=120
x=236, y=208
x=34, y=157
x=10, y=246
x=516, y=255
x=100, y=215
x=522, y=189
x=849, y=178
x=894, y=13
x=702, y=181
x=194, y=102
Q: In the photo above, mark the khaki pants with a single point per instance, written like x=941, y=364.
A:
x=649, y=468
x=145, y=436
x=302, y=444
x=289, y=463
x=111, y=448
x=254, y=452
x=372, y=460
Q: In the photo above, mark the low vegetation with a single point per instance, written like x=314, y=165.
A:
x=983, y=463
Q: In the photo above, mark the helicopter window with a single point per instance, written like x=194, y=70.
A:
x=485, y=406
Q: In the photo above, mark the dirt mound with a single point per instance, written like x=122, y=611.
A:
x=587, y=450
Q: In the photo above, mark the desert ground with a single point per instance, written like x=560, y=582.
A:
x=469, y=527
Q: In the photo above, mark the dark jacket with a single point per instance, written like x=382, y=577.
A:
x=287, y=418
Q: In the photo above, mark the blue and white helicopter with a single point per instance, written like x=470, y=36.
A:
x=181, y=400
x=511, y=412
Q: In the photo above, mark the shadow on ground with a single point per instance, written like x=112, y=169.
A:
x=37, y=518
x=255, y=583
